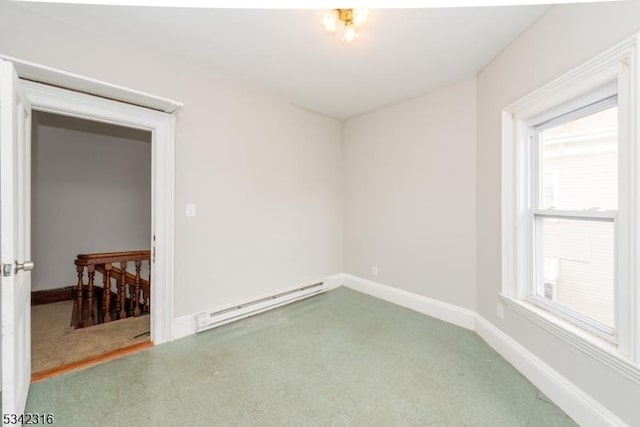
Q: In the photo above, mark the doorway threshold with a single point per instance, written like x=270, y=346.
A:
x=90, y=361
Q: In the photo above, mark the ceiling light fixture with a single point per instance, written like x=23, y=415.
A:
x=351, y=18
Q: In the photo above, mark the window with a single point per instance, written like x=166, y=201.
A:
x=574, y=200
x=571, y=208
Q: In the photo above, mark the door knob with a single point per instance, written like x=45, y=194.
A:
x=25, y=266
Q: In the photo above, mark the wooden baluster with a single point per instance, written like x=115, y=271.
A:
x=106, y=294
x=92, y=272
x=122, y=290
x=100, y=309
x=79, y=289
x=144, y=302
x=136, y=292
x=117, y=308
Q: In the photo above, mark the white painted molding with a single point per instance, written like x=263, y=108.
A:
x=333, y=282
x=580, y=406
x=162, y=126
x=589, y=344
x=60, y=78
x=584, y=409
x=440, y=310
x=590, y=74
x=571, y=399
x=184, y=326
x=616, y=70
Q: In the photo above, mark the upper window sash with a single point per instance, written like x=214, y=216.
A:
x=584, y=105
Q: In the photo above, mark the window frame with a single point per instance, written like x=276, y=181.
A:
x=615, y=68
x=586, y=105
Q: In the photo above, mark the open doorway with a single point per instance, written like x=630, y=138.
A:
x=91, y=234
x=73, y=96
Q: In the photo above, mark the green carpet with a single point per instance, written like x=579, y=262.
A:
x=337, y=359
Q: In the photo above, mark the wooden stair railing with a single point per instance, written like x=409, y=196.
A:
x=91, y=308
x=130, y=278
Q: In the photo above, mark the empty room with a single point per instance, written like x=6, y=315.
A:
x=393, y=213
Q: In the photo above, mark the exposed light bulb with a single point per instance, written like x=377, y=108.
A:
x=349, y=33
x=330, y=22
x=360, y=16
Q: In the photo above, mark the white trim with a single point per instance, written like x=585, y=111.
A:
x=333, y=282
x=566, y=395
x=634, y=208
x=162, y=126
x=187, y=325
x=597, y=348
x=593, y=78
x=59, y=78
x=431, y=307
x=507, y=209
x=580, y=406
x=184, y=326
x=573, y=317
x=593, y=74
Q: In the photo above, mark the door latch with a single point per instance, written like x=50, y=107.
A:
x=25, y=266
x=7, y=269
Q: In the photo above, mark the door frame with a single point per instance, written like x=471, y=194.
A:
x=57, y=100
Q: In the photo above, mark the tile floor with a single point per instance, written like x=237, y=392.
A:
x=341, y=358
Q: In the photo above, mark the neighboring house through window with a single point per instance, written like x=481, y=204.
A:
x=571, y=207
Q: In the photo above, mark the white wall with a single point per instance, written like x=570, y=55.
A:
x=410, y=194
x=265, y=175
x=562, y=39
x=91, y=192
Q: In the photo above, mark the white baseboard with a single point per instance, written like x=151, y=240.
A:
x=584, y=409
x=333, y=282
x=580, y=406
x=440, y=310
x=184, y=326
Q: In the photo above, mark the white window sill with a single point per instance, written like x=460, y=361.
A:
x=592, y=345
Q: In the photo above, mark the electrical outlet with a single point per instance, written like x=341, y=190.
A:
x=190, y=210
x=500, y=310
x=374, y=270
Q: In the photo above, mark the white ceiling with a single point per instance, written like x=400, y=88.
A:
x=400, y=53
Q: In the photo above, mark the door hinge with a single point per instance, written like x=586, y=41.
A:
x=7, y=269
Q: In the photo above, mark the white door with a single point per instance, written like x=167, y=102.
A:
x=15, y=237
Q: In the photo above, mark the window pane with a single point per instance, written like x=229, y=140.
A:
x=578, y=266
x=580, y=163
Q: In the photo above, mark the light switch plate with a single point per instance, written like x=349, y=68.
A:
x=190, y=210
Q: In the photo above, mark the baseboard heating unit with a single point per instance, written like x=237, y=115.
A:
x=219, y=317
